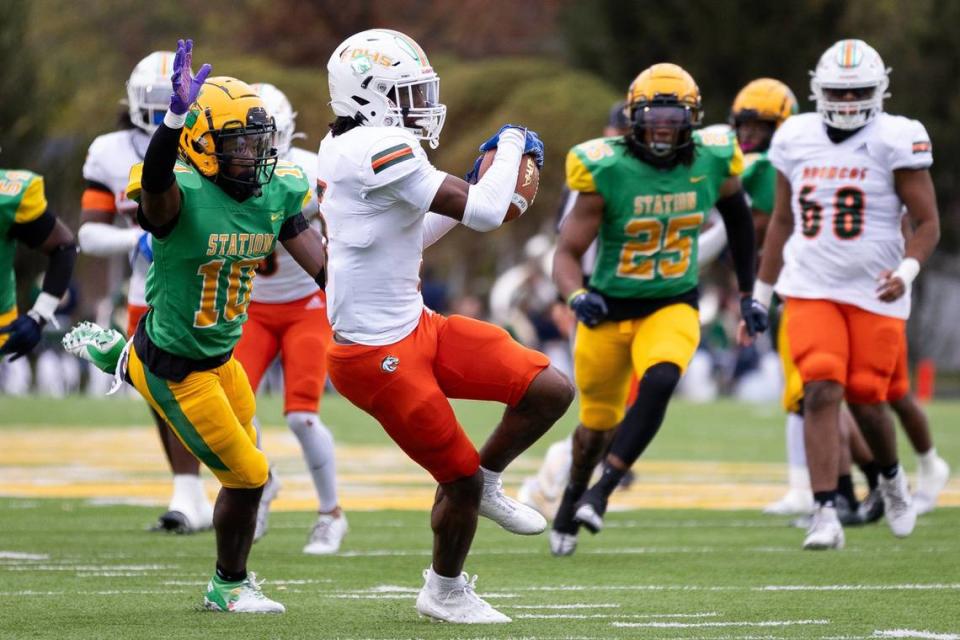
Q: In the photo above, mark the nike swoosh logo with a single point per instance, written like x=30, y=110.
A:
x=696, y=179
x=275, y=216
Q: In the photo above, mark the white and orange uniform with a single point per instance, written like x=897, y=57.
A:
x=392, y=357
x=107, y=172
x=287, y=316
x=847, y=230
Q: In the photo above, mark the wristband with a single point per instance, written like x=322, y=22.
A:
x=174, y=121
x=907, y=271
x=575, y=294
x=763, y=293
x=44, y=308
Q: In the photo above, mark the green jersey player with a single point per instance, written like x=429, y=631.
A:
x=644, y=196
x=214, y=214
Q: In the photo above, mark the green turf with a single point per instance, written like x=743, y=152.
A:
x=722, y=431
x=94, y=572
x=103, y=576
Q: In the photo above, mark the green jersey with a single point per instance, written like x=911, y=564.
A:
x=647, y=245
x=759, y=181
x=199, y=284
x=21, y=201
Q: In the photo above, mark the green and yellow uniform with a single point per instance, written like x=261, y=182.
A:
x=22, y=200
x=759, y=181
x=198, y=289
x=646, y=265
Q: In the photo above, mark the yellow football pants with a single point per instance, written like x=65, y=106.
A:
x=6, y=318
x=212, y=414
x=605, y=356
x=792, y=382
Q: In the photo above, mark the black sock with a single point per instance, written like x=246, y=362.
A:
x=845, y=489
x=644, y=418
x=889, y=472
x=231, y=577
x=871, y=472
x=825, y=498
x=609, y=479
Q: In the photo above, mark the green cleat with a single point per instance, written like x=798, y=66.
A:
x=239, y=597
x=102, y=347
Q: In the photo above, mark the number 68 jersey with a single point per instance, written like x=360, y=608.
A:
x=846, y=211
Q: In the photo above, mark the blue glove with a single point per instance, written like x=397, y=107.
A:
x=531, y=144
x=589, y=307
x=474, y=174
x=144, y=248
x=186, y=86
x=23, y=334
x=754, y=315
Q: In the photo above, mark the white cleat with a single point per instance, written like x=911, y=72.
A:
x=931, y=479
x=327, y=534
x=562, y=544
x=898, y=506
x=796, y=502
x=270, y=491
x=508, y=513
x=460, y=605
x=825, y=531
x=239, y=597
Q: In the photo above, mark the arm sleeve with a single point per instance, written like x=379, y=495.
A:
x=740, y=233
x=101, y=239
x=435, y=226
x=910, y=148
x=34, y=233
x=159, y=160
x=489, y=199
x=292, y=227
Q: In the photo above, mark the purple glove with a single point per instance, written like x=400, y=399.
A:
x=186, y=86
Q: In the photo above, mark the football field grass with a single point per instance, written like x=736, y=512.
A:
x=80, y=480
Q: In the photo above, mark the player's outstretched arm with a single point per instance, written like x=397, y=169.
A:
x=915, y=188
x=305, y=244
x=578, y=231
x=53, y=238
x=160, y=196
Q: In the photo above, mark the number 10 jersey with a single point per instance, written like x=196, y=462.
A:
x=846, y=211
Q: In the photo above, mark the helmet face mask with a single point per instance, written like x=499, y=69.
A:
x=229, y=137
x=148, y=90
x=849, y=85
x=382, y=78
x=663, y=129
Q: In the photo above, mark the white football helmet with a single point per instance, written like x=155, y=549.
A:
x=278, y=106
x=149, y=89
x=384, y=79
x=852, y=65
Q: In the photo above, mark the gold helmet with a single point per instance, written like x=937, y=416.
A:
x=228, y=135
x=764, y=99
x=663, y=96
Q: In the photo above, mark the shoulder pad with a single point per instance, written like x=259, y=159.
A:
x=587, y=159
x=721, y=144
x=26, y=190
x=905, y=142
x=291, y=181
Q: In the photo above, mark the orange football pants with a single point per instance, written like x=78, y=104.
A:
x=841, y=342
x=300, y=333
x=900, y=385
x=405, y=385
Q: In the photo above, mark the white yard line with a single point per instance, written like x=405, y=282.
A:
x=691, y=625
x=18, y=555
x=612, y=616
x=953, y=586
x=576, y=605
x=910, y=633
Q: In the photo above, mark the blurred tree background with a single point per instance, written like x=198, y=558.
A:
x=553, y=65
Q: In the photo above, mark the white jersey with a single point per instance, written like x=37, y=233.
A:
x=108, y=163
x=846, y=211
x=281, y=279
x=375, y=186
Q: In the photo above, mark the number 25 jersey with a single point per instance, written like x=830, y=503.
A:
x=846, y=211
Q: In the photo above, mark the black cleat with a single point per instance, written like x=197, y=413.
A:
x=172, y=522
x=590, y=509
x=871, y=509
x=848, y=515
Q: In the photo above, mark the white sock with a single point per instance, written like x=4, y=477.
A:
x=187, y=490
x=490, y=478
x=436, y=582
x=316, y=442
x=926, y=460
x=259, y=429
x=796, y=450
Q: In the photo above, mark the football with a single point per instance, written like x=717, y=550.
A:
x=528, y=181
